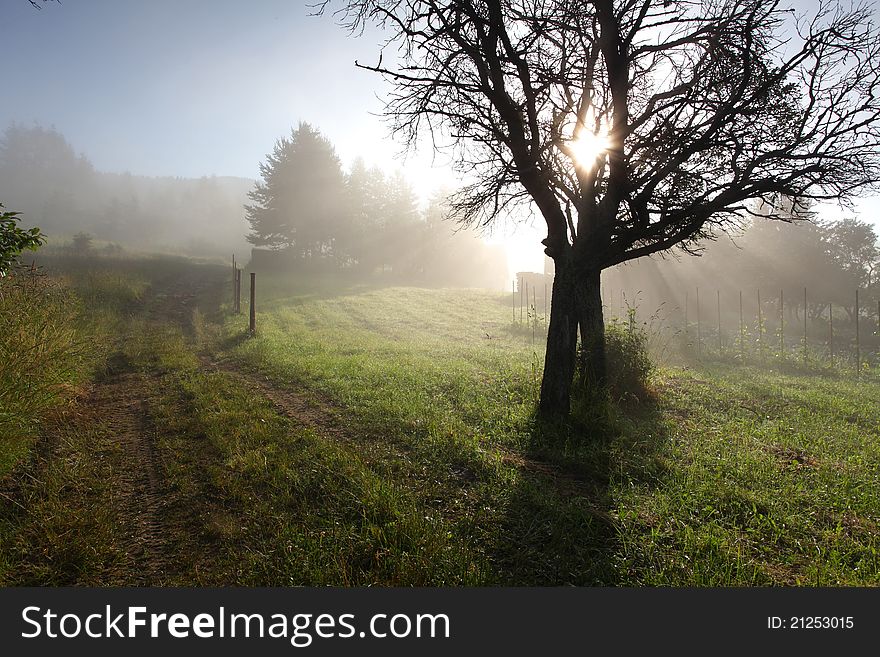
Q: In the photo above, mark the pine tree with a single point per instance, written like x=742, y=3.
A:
x=299, y=203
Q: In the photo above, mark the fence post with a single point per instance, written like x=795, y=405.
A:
x=742, y=330
x=831, y=331
x=534, y=313
x=858, y=342
x=718, y=299
x=699, y=345
x=782, y=323
x=253, y=325
x=805, y=326
x=760, y=329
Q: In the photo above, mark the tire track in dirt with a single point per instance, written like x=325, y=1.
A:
x=138, y=498
x=303, y=408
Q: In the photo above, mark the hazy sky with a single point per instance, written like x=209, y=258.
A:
x=185, y=88
x=175, y=87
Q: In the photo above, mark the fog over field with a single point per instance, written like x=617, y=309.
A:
x=441, y=293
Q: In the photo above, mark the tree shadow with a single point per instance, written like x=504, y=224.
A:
x=561, y=525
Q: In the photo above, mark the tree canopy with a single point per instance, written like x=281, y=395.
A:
x=299, y=200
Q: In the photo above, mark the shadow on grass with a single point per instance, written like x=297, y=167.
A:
x=561, y=526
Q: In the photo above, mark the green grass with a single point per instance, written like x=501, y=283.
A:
x=442, y=364
x=291, y=507
x=726, y=476
x=40, y=359
x=55, y=332
x=67, y=324
x=772, y=479
x=426, y=465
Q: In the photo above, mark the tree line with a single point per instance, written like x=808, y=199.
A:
x=59, y=190
x=320, y=216
x=830, y=258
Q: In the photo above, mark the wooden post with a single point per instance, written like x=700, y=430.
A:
x=805, y=326
x=698, y=323
x=782, y=323
x=831, y=331
x=742, y=330
x=535, y=313
x=545, y=304
x=718, y=301
x=234, y=281
x=858, y=342
x=253, y=326
x=760, y=329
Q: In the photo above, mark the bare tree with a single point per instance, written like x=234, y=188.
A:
x=633, y=126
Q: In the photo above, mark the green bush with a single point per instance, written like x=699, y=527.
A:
x=629, y=362
x=14, y=239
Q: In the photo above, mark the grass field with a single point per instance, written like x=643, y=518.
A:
x=386, y=436
x=722, y=476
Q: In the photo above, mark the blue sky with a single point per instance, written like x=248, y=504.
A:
x=187, y=88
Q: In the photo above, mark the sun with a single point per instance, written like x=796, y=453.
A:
x=588, y=148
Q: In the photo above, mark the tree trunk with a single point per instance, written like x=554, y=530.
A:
x=561, y=353
x=577, y=303
x=593, y=361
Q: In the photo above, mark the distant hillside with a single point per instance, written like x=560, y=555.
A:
x=42, y=177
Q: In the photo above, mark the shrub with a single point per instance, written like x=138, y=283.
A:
x=14, y=240
x=81, y=244
x=629, y=362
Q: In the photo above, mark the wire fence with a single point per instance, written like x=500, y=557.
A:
x=759, y=326
x=755, y=326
